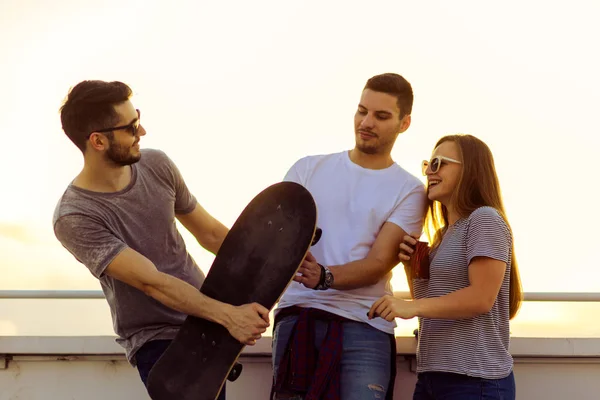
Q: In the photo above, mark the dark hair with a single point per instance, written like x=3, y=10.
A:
x=395, y=85
x=90, y=106
x=478, y=186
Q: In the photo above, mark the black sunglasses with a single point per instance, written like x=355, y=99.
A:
x=132, y=127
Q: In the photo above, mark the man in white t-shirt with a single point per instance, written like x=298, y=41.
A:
x=366, y=204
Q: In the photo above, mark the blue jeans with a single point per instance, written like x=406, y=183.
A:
x=366, y=365
x=448, y=386
x=149, y=353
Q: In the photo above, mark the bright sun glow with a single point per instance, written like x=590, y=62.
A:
x=235, y=92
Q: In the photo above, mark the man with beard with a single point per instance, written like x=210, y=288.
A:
x=117, y=217
x=366, y=204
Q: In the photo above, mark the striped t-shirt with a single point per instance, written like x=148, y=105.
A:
x=476, y=346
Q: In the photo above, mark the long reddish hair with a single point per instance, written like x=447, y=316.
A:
x=478, y=186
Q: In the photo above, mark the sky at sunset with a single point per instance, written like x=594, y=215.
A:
x=236, y=92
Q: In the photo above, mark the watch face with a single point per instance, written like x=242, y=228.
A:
x=328, y=278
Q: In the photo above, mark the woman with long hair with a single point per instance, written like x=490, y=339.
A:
x=465, y=285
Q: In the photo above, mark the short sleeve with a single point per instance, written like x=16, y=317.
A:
x=293, y=174
x=488, y=235
x=409, y=213
x=89, y=241
x=185, y=202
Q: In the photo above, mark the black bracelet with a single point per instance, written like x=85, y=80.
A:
x=321, y=279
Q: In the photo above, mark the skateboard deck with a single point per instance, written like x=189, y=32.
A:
x=256, y=262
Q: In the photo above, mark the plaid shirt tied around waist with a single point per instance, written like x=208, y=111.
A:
x=299, y=371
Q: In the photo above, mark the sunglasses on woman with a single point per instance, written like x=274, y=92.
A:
x=436, y=163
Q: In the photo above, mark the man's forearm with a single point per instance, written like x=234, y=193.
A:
x=183, y=297
x=358, y=273
x=213, y=241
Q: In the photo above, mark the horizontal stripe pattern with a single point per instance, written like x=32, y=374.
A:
x=476, y=346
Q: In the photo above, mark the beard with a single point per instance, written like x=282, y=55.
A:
x=379, y=146
x=121, y=155
x=367, y=149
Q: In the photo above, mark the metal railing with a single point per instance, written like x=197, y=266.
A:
x=51, y=294
x=98, y=294
x=574, y=297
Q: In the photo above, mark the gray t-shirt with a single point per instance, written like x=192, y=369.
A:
x=474, y=346
x=95, y=227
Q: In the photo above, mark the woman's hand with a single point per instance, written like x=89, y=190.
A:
x=389, y=307
x=407, y=248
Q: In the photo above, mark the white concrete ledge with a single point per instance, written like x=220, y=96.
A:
x=106, y=346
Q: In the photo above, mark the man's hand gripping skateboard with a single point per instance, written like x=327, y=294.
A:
x=247, y=322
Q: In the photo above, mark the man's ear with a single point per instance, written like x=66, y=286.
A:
x=404, y=123
x=98, y=141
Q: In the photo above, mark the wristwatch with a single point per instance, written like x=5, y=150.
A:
x=326, y=280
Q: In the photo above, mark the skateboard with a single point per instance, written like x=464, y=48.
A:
x=256, y=262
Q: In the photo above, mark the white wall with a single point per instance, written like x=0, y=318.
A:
x=101, y=378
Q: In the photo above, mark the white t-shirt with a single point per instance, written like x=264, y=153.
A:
x=353, y=203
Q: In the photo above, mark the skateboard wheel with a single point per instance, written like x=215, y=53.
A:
x=317, y=237
x=235, y=372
